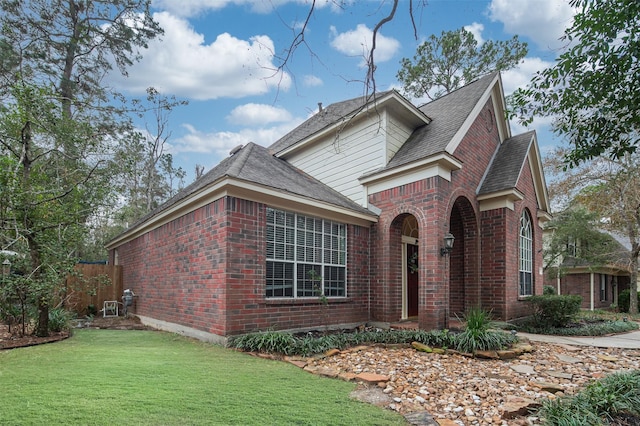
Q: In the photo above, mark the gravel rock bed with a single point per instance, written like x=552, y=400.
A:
x=457, y=389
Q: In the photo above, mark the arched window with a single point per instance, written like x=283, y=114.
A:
x=526, y=256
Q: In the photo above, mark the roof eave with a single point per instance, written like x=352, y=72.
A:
x=229, y=186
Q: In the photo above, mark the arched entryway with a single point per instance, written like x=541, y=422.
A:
x=464, y=286
x=410, y=294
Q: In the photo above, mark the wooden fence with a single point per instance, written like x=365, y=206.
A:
x=92, y=286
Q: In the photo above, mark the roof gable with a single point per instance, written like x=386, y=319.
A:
x=506, y=167
x=335, y=116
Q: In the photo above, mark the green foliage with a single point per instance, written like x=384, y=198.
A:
x=57, y=134
x=443, y=64
x=593, y=328
x=555, y=310
x=577, y=241
x=624, y=299
x=548, y=290
x=599, y=402
x=307, y=345
x=477, y=335
x=60, y=319
x=589, y=90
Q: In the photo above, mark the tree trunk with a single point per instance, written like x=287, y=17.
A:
x=43, y=318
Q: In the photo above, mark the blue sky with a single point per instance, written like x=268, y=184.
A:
x=222, y=56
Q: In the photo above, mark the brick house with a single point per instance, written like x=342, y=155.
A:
x=598, y=285
x=353, y=204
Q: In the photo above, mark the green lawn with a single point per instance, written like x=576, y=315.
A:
x=100, y=377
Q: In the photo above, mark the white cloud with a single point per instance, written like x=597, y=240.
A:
x=476, y=29
x=220, y=143
x=543, y=21
x=358, y=43
x=520, y=76
x=182, y=64
x=258, y=114
x=312, y=81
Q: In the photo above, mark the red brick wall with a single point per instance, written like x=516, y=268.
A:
x=484, y=265
x=580, y=284
x=206, y=270
x=178, y=270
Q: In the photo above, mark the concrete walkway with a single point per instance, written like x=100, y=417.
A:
x=626, y=340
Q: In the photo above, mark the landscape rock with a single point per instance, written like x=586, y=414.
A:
x=440, y=383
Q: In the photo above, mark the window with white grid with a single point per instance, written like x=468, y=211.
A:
x=306, y=256
x=526, y=256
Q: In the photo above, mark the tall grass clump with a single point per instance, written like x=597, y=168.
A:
x=478, y=334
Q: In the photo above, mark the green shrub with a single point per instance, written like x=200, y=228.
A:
x=477, y=335
x=555, y=310
x=624, y=299
x=596, y=404
x=60, y=319
x=548, y=290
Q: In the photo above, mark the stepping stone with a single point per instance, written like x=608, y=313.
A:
x=523, y=369
x=568, y=359
x=560, y=375
x=549, y=387
x=372, y=377
x=570, y=348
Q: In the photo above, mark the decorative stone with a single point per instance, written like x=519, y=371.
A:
x=607, y=358
x=372, y=378
x=486, y=354
x=517, y=407
x=549, y=387
x=568, y=359
x=421, y=347
x=523, y=369
x=332, y=352
x=560, y=375
x=507, y=354
x=297, y=363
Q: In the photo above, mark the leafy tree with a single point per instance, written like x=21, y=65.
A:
x=58, y=122
x=443, y=64
x=609, y=189
x=577, y=239
x=592, y=90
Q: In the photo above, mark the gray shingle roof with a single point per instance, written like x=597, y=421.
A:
x=325, y=118
x=448, y=114
x=254, y=163
x=506, y=166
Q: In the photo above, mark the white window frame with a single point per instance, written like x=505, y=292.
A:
x=525, y=258
x=298, y=244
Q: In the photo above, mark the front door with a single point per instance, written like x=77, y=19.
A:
x=412, y=280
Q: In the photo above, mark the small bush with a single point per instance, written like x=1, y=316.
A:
x=624, y=299
x=60, y=319
x=555, y=310
x=548, y=290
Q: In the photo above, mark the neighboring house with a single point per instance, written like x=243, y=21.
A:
x=355, y=204
x=598, y=284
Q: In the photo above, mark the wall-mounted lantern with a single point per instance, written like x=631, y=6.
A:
x=448, y=244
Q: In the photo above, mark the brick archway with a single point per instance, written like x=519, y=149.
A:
x=464, y=287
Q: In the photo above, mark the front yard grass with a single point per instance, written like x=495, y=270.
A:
x=102, y=377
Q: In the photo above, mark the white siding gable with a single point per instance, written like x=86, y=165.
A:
x=339, y=159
